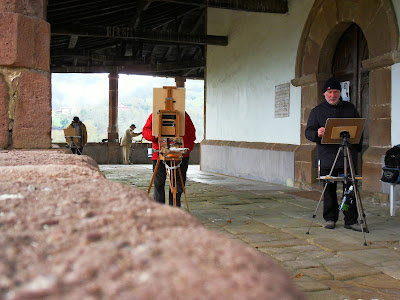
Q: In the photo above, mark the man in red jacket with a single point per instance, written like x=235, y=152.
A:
x=161, y=175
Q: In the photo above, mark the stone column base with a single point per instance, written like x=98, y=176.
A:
x=305, y=171
x=114, y=153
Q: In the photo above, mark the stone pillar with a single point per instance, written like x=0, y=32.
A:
x=113, y=107
x=180, y=81
x=25, y=81
x=305, y=172
x=113, y=144
x=379, y=128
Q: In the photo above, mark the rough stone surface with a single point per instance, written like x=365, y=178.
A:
x=382, y=31
x=68, y=233
x=3, y=114
x=25, y=42
x=25, y=7
x=32, y=125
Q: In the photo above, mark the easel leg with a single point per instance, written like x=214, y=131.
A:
x=323, y=192
x=183, y=187
x=360, y=210
x=174, y=188
x=154, y=175
x=316, y=209
x=172, y=183
x=392, y=197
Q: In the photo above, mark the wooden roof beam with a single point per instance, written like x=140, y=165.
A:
x=73, y=39
x=132, y=68
x=198, y=22
x=142, y=6
x=262, y=6
x=129, y=33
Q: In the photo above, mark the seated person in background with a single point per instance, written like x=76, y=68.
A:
x=80, y=130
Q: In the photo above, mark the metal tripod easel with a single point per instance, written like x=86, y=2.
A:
x=347, y=178
x=175, y=160
x=343, y=131
x=72, y=144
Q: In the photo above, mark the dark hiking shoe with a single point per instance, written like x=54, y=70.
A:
x=330, y=224
x=355, y=227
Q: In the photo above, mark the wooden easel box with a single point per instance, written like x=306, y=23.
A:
x=159, y=96
x=68, y=132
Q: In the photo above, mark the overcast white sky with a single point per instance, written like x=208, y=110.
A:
x=83, y=90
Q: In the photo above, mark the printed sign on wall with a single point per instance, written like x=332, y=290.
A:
x=282, y=100
x=345, y=90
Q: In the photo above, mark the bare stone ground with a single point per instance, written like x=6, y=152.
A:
x=68, y=233
x=274, y=219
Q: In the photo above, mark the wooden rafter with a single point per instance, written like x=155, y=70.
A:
x=128, y=33
x=263, y=6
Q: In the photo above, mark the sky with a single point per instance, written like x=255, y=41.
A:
x=76, y=90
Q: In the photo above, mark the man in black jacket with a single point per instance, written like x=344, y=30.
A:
x=332, y=107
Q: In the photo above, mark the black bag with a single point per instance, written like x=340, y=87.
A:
x=392, y=157
x=390, y=175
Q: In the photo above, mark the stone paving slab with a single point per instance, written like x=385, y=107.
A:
x=326, y=295
x=249, y=227
x=345, y=271
x=291, y=249
x=373, y=257
x=334, y=240
x=301, y=264
x=284, y=243
x=277, y=222
x=318, y=273
x=309, y=255
x=257, y=239
x=325, y=264
x=391, y=268
x=202, y=205
x=308, y=284
x=369, y=287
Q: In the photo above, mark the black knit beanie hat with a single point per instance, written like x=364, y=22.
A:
x=332, y=84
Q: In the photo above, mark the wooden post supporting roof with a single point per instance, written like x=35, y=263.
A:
x=113, y=144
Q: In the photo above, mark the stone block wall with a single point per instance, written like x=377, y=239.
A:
x=25, y=82
x=3, y=113
x=100, y=153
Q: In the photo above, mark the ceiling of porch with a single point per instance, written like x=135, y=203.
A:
x=143, y=37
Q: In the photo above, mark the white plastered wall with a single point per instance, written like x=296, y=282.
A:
x=242, y=76
x=396, y=104
x=396, y=89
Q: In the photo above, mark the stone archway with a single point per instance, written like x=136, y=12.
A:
x=327, y=21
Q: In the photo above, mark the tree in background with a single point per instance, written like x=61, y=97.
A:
x=87, y=97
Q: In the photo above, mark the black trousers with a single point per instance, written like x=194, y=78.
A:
x=331, y=206
x=160, y=178
x=77, y=150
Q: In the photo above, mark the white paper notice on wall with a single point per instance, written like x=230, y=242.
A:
x=282, y=100
x=345, y=90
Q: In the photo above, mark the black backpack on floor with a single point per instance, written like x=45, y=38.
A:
x=391, y=170
x=392, y=157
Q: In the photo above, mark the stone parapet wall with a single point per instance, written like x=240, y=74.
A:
x=68, y=233
x=100, y=153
